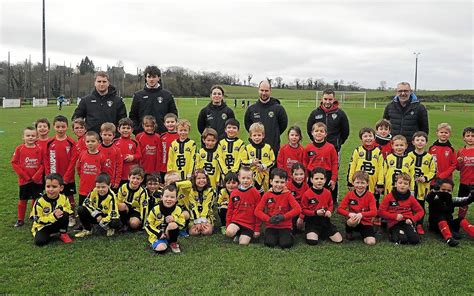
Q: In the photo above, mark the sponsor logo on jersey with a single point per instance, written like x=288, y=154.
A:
x=110, y=103
x=46, y=210
x=270, y=200
x=256, y=115
x=319, y=116
x=313, y=201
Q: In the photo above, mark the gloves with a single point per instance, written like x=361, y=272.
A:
x=276, y=219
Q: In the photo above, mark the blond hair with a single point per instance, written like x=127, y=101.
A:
x=319, y=124
x=444, y=125
x=183, y=123
x=108, y=127
x=256, y=127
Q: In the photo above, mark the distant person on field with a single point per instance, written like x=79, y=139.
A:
x=270, y=113
x=60, y=102
x=153, y=100
x=102, y=105
x=406, y=114
x=216, y=113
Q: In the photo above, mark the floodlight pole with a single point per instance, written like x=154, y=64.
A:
x=44, y=51
x=416, y=67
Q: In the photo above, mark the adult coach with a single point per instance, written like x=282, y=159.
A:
x=102, y=105
x=406, y=114
x=152, y=100
x=337, y=125
x=216, y=113
x=270, y=113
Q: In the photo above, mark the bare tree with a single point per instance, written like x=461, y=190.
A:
x=383, y=85
x=278, y=81
x=249, y=78
x=297, y=83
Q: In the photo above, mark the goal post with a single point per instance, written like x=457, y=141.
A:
x=346, y=97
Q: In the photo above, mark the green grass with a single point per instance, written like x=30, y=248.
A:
x=124, y=264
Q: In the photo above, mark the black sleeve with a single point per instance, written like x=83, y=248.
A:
x=282, y=120
x=344, y=127
x=423, y=119
x=309, y=124
x=385, y=112
x=121, y=110
x=201, y=122
x=230, y=114
x=133, y=115
x=81, y=110
x=172, y=106
x=248, y=119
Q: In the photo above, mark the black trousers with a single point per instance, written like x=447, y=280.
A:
x=43, y=236
x=222, y=215
x=278, y=237
x=87, y=220
x=403, y=233
x=422, y=204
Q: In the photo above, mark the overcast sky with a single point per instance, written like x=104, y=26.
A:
x=363, y=41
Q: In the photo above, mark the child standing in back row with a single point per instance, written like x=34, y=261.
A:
x=150, y=146
x=182, y=153
x=170, y=121
x=292, y=152
x=112, y=155
x=465, y=166
x=444, y=153
x=129, y=148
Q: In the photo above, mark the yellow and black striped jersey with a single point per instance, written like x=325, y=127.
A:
x=223, y=199
x=264, y=153
x=208, y=160
x=137, y=199
x=229, y=154
x=181, y=157
x=369, y=161
x=44, y=208
x=156, y=223
x=393, y=165
x=199, y=204
x=424, y=166
x=105, y=206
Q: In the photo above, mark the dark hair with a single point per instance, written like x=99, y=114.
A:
x=318, y=170
x=42, y=120
x=420, y=134
x=101, y=74
x=171, y=115
x=29, y=128
x=329, y=91
x=383, y=123
x=361, y=175
x=209, y=131
x=277, y=172
x=93, y=134
x=149, y=118
x=297, y=129
x=217, y=87
x=469, y=129
x=60, y=118
x=366, y=130
x=137, y=170
x=103, y=178
x=55, y=176
x=232, y=121
x=125, y=121
x=297, y=166
x=231, y=176
x=170, y=188
x=153, y=177
x=194, y=176
x=152, y=71
x=444, y=181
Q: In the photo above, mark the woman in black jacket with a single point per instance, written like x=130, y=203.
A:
x=216, y=113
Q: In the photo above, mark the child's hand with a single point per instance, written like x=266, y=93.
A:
x=256, y=234
x=460, y=159
x=169, y=219
x=380, y=190
x=129, y=158
x=409, y=222
x=320, y=212
x=421, y=179
x=399, y=217
x=58, y=213
x=99, y=218
x=351, y=215
x=332, y=184
x=328, y=214
x=350, y=188
x=299, y=223
x=359, y=216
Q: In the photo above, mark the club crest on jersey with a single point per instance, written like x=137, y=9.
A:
x=313, y=201
x=159, y=216
x=110, y=103
x=412, y=112
x=425, y=162
x=224, y=116
x=160, y=100
x=175, y=149
x=311, y=153
x=68, y=149
x=224, y=148
x=319, y=116
x=394, y=203
x=446, y=153
x=46, y=210
x=188, y=149
x=130, y=146
x=392, y=162
x=361, y=154
x=270, y=201
x=252, y=153
x=271, y=114
x=105, y=208
x=235, y=198
x=353, y=202
x=265, y=154
x=181, y=196
x=334, y=116
x=203, y=155
x=406, y=165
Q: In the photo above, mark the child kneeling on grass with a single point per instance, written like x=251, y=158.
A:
x=402, y=211
x=359, y=206
x=51, y=212
x=99, y=207
x=277, y=208
x=164, y=222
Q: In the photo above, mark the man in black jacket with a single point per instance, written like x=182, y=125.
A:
x=270, y=113
x=152, y=100
x=406, y=114
x=102, y=105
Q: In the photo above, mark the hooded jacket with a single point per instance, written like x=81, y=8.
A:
x=273, y=117
x=151, y=101
x=336, y=121
x=407, y=120
x=98, y=109
x=214, y=116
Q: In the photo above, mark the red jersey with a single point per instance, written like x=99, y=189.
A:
x=385, y=145
x=321, y=155
x=166, y=139
x=296, y=189
x=78, y=147
x=397, y=203
x=288, y=156
x=315, y=199
x=42, y=143
x=151, y=150
x=273, y=204
x=58, y=156
x=28, y=164
x=445, y=158
x=466, y=165
x=365, y=204
x=88, y=167
x=113, y=163
x=241, y=208
x=128, y=146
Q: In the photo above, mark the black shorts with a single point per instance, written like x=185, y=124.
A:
x=30, y=191
x=69, y=189
x=132, y=213
x=364, y=230
x=322, y=226
x=244, y=230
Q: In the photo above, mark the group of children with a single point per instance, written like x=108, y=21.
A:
x=166, y=186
